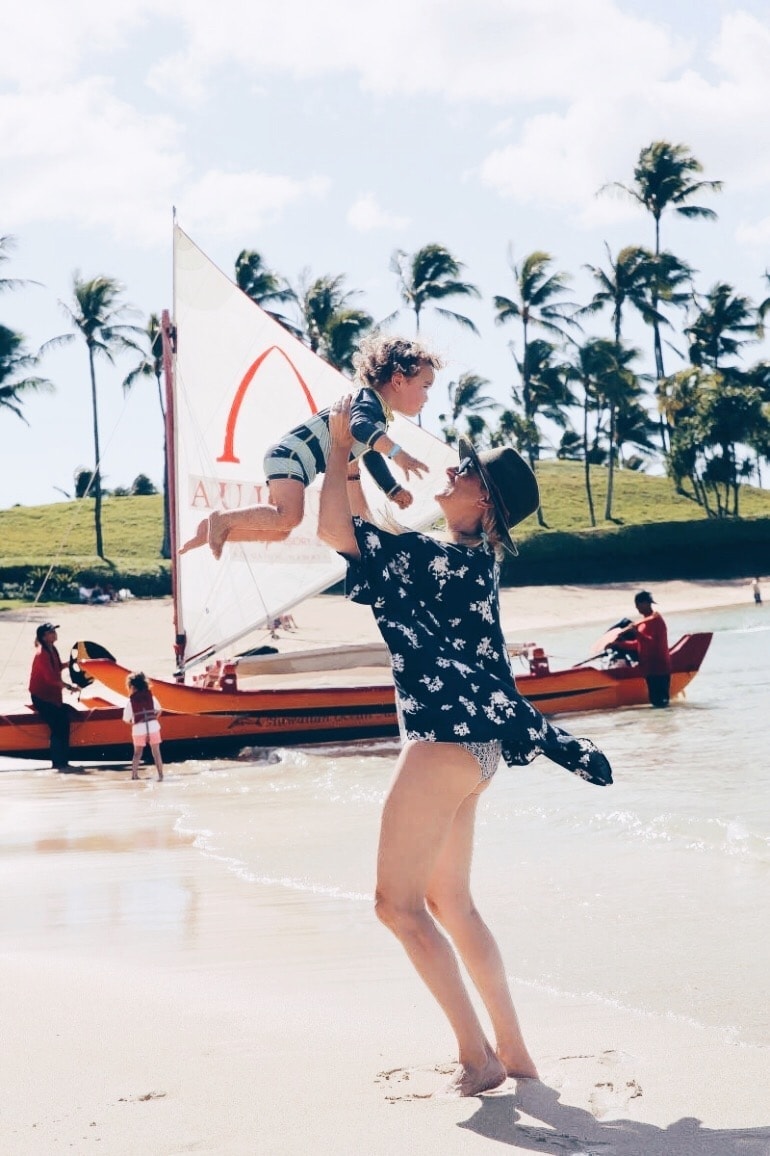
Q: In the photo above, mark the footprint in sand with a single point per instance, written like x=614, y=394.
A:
x=413, y=1083
x=605, y=1082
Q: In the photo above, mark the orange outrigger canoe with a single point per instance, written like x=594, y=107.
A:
x=220, y=720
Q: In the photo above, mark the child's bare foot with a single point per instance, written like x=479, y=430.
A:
x=217, y=531
x=134, y=776
x=160, y=778
x=199, y=538
x=469, y=1081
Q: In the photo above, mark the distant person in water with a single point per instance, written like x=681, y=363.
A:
x=647, y=641
x=394, y=376
x=756, y=590
x=46, y=686
x=142, y=713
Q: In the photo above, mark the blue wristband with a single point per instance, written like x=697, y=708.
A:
x=392, y=453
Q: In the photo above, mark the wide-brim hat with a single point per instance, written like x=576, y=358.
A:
x=511, y=485
x=44, y=628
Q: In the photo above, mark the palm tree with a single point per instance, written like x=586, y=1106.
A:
x=333, y=327
x=595, y=361
x=663, y=178
x=634, y=427
x=726, y=322
x=151, y=366
x=264, y=286
x=617, y=386
x=14, y=362
x=429, y=275
x=7, y=243
x=627, y=281
x=96, y=314
x=537, y=303
x=466, y=400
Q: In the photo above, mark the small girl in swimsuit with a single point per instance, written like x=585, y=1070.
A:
x=142, y=712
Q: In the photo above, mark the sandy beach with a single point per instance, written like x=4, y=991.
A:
x=151, y=1005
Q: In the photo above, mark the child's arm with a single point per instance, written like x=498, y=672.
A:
x=368, y=425
x=378, y=468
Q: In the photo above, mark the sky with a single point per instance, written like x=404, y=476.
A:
x=327, y=136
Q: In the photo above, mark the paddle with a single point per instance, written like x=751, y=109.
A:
x=604, y=645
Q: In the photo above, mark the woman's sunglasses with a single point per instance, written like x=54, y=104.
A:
x=468, y=466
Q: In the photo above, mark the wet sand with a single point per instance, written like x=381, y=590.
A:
x=150, y=1004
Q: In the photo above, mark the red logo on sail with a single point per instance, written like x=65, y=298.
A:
x=228, y=453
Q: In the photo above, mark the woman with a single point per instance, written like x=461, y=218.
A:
x=436, y=605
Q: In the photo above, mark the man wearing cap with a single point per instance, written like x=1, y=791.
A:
x=45, y=686
x=648, y=641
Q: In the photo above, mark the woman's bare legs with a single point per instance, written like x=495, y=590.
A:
x=431, y=784
x=449, y=900
x=268, y=523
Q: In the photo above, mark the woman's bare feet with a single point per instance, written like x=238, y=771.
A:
x=518, y=1064
x=470, y=1081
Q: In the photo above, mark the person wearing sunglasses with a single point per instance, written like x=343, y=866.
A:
x=436, y=605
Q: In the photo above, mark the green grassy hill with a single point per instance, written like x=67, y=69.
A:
x=655, y=533
x=132, y=528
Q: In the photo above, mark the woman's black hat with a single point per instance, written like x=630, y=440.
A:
x=511, y=484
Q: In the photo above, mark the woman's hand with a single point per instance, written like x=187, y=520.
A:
x=339, y=423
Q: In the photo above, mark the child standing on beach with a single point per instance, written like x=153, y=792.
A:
x=142, y=712
x=394, y=375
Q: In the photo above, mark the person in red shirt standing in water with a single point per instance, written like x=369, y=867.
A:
x=45, y=687
x=648, y=641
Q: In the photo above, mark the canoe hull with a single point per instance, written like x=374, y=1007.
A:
x=201, y=722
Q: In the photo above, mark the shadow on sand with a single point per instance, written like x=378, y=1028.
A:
x=574, y=1130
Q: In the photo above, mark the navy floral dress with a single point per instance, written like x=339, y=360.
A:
x=437, y=608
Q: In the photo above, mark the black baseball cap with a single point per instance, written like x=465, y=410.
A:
x=44, y=628
x=643, y=596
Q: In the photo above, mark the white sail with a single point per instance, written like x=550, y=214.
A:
x=240, y=383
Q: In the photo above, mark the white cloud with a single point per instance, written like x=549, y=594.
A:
x=46, y=42
x=236, y=203
x=77, y=154
x=562, y=157
x=366, y=215
x=527, y=50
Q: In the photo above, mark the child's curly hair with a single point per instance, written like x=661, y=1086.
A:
x=379, y=357
x=137, y=681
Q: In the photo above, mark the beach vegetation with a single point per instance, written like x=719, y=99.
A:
x=266, y=287
x=97, y=313
x=47, y=551
x=332, y=326
x=468, y=403
x=149, y=367
x=538, y=302
x=429, y=275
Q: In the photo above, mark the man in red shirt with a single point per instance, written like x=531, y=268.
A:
x=648, y=641
x=45, y=687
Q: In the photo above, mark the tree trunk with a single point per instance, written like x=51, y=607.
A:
x=97, y=480
x=611, y=467
x=586, y=463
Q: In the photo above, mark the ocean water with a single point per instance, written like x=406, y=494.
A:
x=652, y=895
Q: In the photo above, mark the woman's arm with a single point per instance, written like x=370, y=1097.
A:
x=335, y=522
